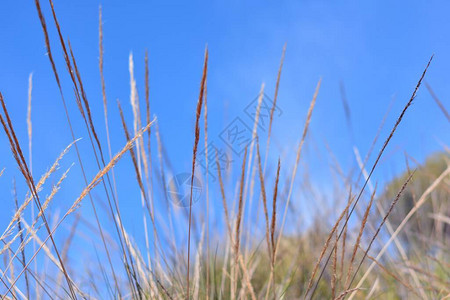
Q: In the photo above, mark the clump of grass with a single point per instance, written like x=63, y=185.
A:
x=231, y=261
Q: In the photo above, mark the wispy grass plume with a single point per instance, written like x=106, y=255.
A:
x=194, y=157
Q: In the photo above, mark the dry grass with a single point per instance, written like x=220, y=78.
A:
x=248, y=250
x=194, y=157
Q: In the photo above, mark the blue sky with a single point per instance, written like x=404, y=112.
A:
x=377, y=49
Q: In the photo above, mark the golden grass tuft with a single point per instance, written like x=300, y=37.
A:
x=230, y=260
